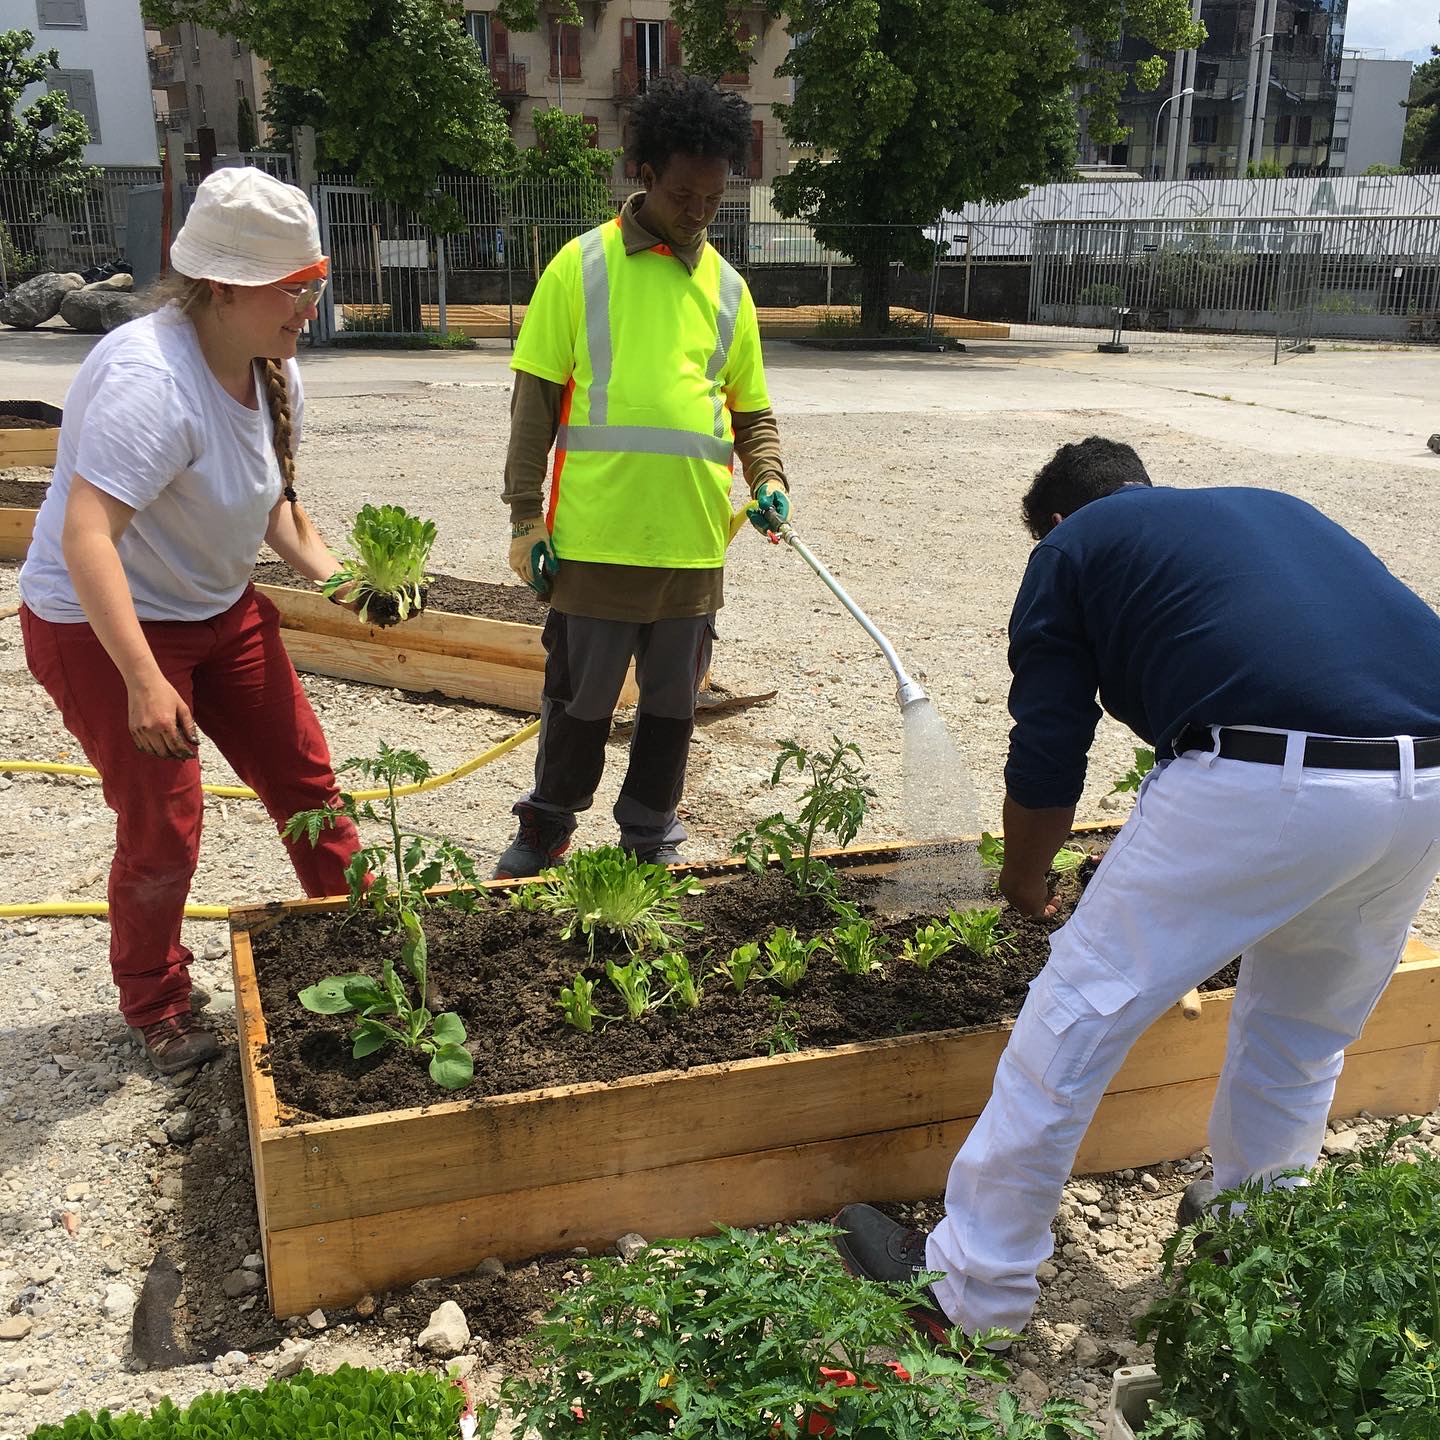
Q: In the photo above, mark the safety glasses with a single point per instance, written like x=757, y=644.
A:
x=305, y=294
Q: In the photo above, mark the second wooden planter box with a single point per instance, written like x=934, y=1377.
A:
x=31, y=447
x=467, y=657
x=361, y=1205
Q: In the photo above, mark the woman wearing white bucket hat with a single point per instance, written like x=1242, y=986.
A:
x=176, y=460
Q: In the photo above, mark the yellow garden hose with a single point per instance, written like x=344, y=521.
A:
x=236, y=792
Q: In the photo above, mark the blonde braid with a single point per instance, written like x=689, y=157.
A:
x=277, y=397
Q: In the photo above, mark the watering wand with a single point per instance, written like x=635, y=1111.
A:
x=909, y=691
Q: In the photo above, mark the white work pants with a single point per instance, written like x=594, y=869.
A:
x=1314, y=876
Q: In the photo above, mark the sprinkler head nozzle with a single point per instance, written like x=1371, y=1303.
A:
x=910, y=693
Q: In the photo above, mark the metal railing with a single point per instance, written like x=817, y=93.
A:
x=512, y=78
x=47, y=224
x=167, y=65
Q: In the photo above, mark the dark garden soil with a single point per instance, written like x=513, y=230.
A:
x=502, y=970
x=19, y=422
x=21, y=494
x=515, y=603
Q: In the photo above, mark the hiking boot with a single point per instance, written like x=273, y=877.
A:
x=177, y=1043
x=1434, y=443
x=875, y=1247
x=539, y=843
x=666, y=854
x=1195, y=1203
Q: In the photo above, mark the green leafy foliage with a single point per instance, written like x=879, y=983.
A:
x=393, y=878
x=737, y=967
x=1144, y=764
x=350, y=1404
x=991, y=851
x=979, y=930
x=781, y=1038
x=833, y=804
x=1421, y=149
x=903, y=110
x=45, y=137
x=1066, y=861
x=789, y=956
x=724, y=1337
x=633, y=981
x=858, y=950
x=577, y=1001
x=929, y=944
x=397, y=92
x=1311, y=1311
x=392, y=548
x=686, y=987
x=609, y=894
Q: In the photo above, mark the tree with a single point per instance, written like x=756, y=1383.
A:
x=246, y=135
x=1422, y=124
x=25, y=145
x=909, y=108
x=397, y=91
x=561, y=184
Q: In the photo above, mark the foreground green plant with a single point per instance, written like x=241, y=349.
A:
x=858, y=950
x=789, y=956
x=833, y=804
x=1144, y=764
x=781, y=1038
x=610, y=894
x=577, y=1002
x=737, y=967
x=394, y=878
x=725, y=1337
x=387, y=571
x=633, y=983
x=929, y=944
x=686, y=986
x=1323, y=1319
x=349, y=1404
x=991, y=850
x=979, y=930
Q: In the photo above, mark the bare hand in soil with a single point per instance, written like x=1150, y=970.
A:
x=161, y=723
x=1028, y=896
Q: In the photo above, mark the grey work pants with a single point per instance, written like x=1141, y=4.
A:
x=585, y=666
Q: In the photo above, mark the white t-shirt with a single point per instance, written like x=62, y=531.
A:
x=147, y=422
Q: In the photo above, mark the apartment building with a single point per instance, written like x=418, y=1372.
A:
x=599, y=68
x=204, y=79
x=1369, y=112
x=1261, y=90
x=101, y=44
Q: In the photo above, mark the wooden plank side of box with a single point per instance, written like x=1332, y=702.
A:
x=17, y=525
x=336, y=1262
x=338, y=1168
x=29, y=447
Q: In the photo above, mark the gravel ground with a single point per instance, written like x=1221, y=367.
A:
x=918, y=513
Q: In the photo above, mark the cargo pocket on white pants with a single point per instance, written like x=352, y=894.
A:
x=1076, y=1002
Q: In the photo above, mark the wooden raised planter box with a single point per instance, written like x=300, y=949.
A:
x=366, y=1204
x=467, y=657
x=33, y=448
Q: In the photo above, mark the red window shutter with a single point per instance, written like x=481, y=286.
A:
x=628, y=54
x=632, y=169
x=757, y=149
x=593, y=138
x=673, y=57
x=499, y=43
x=554, y=47
x=739, y=77
x=570, y=51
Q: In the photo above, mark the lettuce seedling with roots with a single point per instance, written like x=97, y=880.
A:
x=387, y=572
x=609, y=893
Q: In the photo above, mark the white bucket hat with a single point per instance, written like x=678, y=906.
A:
x=248, y=228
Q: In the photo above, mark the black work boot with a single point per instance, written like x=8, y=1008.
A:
x=539, y=842
x=665, y=854
x=874, y=1247
x=1195, y=1203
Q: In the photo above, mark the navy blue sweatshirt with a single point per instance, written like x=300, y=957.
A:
x=1213, y=607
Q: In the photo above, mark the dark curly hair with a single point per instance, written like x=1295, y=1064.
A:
x=687, y=115
x=1077, y=475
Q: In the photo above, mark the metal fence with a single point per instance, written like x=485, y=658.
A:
x=1279, y=281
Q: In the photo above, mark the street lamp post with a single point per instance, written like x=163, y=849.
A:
x=1155, y=145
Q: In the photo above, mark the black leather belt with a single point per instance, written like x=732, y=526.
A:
x=1321, y=753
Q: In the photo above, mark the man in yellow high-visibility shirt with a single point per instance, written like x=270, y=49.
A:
x=639, y=362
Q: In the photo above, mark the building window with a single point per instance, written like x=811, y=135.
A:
x=200, y=105
x=741, y=77
x=1207, y=76
x=60, y=14
x=1339, y=145
x=757, y=149
x=240, y=91
x=649, y=50
x=195, y=43
x=1206, y=129
x=1304, y=127
x=477, y=27
x=1282, y=130
x=564, y=50
x=236, y=47
x=78, y=86
x=1347, y=89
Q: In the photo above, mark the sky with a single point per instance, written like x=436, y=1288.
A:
x=1405, y=28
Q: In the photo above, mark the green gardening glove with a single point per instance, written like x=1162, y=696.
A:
x=772, y=507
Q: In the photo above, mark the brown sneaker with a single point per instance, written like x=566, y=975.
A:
x=177, y=1044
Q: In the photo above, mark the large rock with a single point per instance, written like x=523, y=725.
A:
x=447, y=1333
x=96, y=310
x=35, y=301
x=119, y=281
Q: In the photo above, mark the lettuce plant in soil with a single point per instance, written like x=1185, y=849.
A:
x=387, y=571
x=1307, y=1312
x=741, y=1336
x=393, y=878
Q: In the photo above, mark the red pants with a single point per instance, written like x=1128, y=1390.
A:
x=233, y=673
